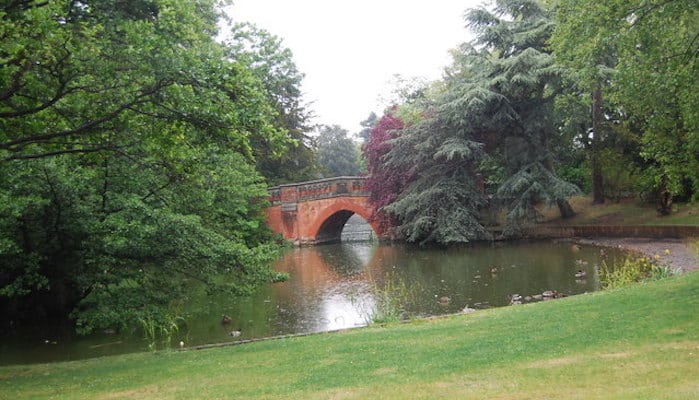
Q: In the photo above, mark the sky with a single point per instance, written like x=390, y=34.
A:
x=350, y=51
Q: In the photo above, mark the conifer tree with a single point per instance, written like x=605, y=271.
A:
x=516, y=79
x=495, y=108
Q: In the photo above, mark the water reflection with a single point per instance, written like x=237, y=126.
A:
x=327, y=289
x=334, y=287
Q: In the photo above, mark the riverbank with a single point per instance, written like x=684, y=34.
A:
x=677, y=254
x=637, y=342
x=682, y=252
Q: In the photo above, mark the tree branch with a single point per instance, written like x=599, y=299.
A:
x=18, y=144
x=56, y=153
x=23, y=5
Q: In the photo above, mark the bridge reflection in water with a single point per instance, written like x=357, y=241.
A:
x=315, y=212
x=329, y=289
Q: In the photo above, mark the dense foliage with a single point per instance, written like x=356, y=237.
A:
x=383, y=181
x=601, y=94
x=273, y=65
x=643, y=55
x=488, y=131
x=128, y=138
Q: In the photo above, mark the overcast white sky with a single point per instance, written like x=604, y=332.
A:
x=350, y=50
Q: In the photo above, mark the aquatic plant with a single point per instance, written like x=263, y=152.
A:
x=392, y=299
x=631, y=270
x=155, y=330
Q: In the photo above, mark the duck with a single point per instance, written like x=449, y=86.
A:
x=235, y=333
x=444, y=300
x=225, y=319
x=468, y=310
x=580, y=274
x=515, y=299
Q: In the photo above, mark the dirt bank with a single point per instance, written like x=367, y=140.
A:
x=680, y=255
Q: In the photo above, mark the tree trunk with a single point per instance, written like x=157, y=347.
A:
x=595, y=144
x=565, y=209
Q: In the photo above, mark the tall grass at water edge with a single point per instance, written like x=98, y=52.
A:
x=633, y=269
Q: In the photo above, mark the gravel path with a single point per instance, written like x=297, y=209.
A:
x=680, y=256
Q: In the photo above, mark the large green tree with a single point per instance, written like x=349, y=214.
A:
x=273, y=64
x=653, y=84
x=126, y=161
x=514, y=76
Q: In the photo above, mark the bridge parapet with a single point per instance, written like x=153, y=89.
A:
x=318, y=189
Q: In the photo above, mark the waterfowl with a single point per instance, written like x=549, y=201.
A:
x=444, y=300
x=235, y=333
x=515, y=299
x=580, y=274
x=225, y=319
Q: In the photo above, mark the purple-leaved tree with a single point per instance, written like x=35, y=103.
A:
x=384, y=182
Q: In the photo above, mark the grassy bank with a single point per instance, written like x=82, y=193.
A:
x=637, y=342
x=624, y=212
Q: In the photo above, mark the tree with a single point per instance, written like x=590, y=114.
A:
x=337, y=153
x=383, y=182
x=654, y=46
x=273, y=65
x=367, y=125
x=514, y=75
x=442, y=198
x=125, y=162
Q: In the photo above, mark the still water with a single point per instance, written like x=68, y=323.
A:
x=340, y=286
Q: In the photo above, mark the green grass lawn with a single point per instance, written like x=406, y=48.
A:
x=639, y=342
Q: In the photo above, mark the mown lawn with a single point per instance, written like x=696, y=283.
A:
x=640, y=342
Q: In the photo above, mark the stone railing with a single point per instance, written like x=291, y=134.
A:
x=319, y=189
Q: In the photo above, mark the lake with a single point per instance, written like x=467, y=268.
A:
x=341, y=286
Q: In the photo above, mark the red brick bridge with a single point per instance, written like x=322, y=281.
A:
x=315, y=212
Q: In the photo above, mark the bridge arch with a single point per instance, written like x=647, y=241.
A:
x=328, y=224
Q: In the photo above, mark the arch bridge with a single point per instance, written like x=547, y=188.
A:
x=315, y=212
